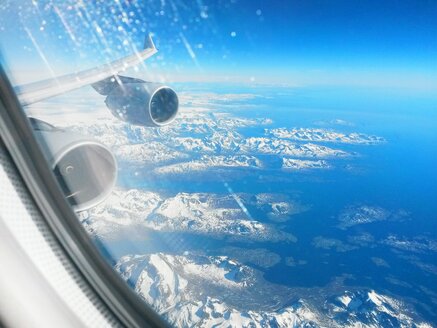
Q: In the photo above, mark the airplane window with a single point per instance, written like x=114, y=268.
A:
x=244, y=163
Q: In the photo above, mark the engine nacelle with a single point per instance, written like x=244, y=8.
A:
x=145, y=103
x=85, y=169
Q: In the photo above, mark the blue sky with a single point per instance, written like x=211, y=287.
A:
x=311, y=42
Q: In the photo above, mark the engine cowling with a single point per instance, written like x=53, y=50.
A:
x=146, y=104
x=85, y=169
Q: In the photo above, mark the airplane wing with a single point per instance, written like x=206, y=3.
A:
x=34, y=92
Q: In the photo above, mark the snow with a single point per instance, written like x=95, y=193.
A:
x=325, y=135
x=208, y=162
x=368, y=308
x=375, y=298
x=345, y=299
x=176, y=286
x=282, y=147
x=188, y=291
x=214, y=215
x=364, y=214
x=296, y=164
x=226, y=288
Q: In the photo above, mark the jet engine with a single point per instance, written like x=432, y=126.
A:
x=85, y=169
x=138, y=102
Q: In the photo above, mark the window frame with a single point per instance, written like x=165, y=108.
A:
x=17, y=135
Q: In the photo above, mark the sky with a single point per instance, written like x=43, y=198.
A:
x=369, y=43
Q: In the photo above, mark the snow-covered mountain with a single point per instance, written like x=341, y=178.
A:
x=299, y=164
x=217, y=291
x=215, y=136
x=218, y=216
x=207, y=162
x=191, y=291
x=227, y=287
x=363, y=214
x=325, y=135
x=273, y=146
x=366, y=308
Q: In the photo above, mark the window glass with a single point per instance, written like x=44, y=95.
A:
x=244, y=163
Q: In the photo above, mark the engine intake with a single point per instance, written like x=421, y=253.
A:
x=85, y=169
x=139, y=102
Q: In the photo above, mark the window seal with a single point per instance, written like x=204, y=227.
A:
x=17, y=135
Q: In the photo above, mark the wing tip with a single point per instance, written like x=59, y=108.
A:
x=148, y=43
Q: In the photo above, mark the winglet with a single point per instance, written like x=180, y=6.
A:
x=148, y=43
